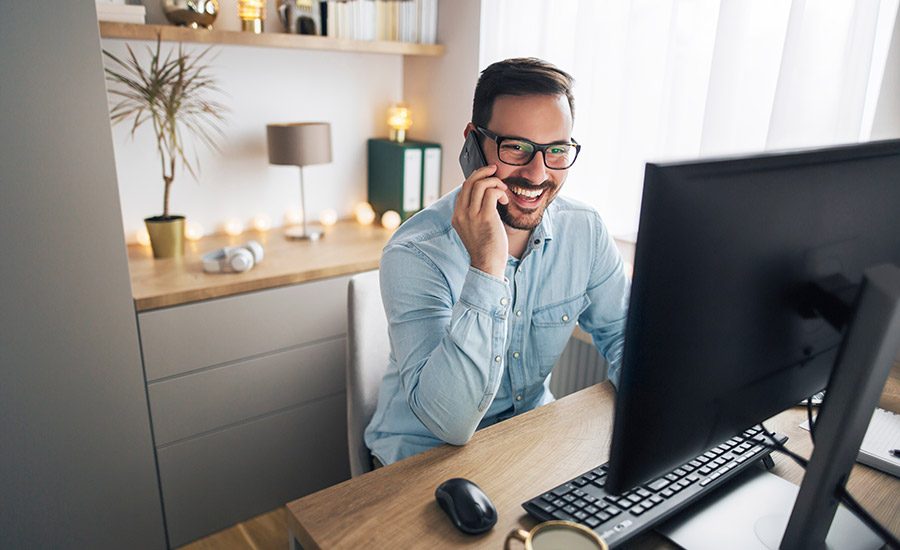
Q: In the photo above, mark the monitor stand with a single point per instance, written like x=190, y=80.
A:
x=863, y=363
x=751, y=513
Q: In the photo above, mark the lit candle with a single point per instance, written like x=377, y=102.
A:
x=142, y=237
x=234, y=227
x=193, y=231
x=364, y=213
x=293, y=216
x=261, y=223
x=328, y=217
x=390, y=220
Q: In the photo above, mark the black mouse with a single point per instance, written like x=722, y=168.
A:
x=470, y=510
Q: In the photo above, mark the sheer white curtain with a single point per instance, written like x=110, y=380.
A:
x=679, y=79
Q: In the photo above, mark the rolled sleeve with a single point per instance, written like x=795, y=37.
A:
x=449, y=355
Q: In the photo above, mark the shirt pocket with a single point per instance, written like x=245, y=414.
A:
x=552, y=325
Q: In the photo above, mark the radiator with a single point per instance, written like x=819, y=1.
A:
x=580, y=366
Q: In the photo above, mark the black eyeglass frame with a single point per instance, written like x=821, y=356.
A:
x=537, y=147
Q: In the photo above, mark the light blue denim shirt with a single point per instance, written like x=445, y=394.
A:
x=468, y=349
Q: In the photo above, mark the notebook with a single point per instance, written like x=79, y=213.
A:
x=882, y=435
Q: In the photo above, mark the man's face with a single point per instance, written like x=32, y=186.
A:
x=532, y=187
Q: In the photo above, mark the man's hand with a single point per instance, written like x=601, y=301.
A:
x=478, y=223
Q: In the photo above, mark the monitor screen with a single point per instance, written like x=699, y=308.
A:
x=718, y=335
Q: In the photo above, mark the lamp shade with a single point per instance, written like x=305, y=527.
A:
x=299, y=144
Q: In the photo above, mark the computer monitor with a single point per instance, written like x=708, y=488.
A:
x=736, y=261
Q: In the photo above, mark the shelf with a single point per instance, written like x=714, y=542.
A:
x=265, y=40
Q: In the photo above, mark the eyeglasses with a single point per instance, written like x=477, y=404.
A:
x=519, y=152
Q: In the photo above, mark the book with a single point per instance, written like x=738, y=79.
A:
x=120, y=12
x=882, y=435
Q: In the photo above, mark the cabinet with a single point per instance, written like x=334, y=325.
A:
x=247, y=399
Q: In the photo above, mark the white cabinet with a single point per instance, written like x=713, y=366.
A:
x=248, y=403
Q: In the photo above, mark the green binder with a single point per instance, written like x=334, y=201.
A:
x=404, y=177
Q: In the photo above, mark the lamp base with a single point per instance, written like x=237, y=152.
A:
x=301, y=233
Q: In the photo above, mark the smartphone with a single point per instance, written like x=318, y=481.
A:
x=471, y=158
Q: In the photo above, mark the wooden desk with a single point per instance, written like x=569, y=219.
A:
x=344, y=249
x=394, y=507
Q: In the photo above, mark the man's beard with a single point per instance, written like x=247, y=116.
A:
x=526, y=223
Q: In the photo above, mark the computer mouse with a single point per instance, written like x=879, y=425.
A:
x=469, y=509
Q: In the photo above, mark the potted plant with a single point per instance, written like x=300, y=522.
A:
x=168, y=93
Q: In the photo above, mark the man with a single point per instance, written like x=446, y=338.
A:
x=483, y=289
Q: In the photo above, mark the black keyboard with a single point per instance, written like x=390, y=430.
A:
x=617, y=518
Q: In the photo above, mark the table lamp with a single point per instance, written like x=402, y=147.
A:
x=300, y=144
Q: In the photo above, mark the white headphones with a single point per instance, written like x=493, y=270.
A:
x=233, y=259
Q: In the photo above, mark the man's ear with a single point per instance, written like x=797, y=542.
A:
x=469, y=128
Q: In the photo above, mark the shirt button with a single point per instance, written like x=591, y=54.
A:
x=516, y=355
x=519, y=313
x=518, y=398
x=503, y=301
x=519, y=268
x=537, y=241
x=497, y=359
x=565, y=318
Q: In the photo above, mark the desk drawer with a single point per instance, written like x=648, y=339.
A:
x=185, y=338
x=209, y=399
x=215, y=481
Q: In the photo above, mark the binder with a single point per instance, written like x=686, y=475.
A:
x=403, y=177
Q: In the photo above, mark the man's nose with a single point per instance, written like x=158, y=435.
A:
x=535, y=171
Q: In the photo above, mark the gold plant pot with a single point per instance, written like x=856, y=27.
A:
x=166, y=236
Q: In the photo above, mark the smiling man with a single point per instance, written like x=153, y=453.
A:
x=483, y=289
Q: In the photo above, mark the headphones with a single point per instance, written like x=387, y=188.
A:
x=233, y=259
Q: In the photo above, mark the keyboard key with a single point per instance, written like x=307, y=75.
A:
x=546, y=507
x=591, y=510
x=580, y=515
x=562, y=490
x=569, y=509
x=637, y=510
x=658, y=484
x=580, y=503
x=592, y=522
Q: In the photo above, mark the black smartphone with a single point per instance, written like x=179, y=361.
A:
x=471, y=158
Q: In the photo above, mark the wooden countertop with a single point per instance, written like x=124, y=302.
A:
x=344, y=249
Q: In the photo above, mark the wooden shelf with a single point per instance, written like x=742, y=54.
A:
x=266, y=40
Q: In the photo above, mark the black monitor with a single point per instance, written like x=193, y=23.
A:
x=741, y=271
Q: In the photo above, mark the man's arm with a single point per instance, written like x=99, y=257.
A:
x=609, y=291
x=450, y=355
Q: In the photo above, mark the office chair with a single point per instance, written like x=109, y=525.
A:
x=368, y=350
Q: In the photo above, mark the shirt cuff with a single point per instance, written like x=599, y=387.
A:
x=486, y=293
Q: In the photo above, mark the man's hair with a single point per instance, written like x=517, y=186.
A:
x=519, y=76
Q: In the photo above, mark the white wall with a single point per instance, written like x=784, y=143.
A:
x=887, y=112
x=439, y=90
x=266, y=85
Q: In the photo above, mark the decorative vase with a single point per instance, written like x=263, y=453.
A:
x=166, y=236
x=191, y=13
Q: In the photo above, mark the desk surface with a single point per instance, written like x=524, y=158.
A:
x=394, y=507
x=345, y=248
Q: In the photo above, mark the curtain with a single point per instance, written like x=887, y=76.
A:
x=662, y=80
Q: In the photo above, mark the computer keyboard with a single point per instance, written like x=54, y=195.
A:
x=617, y=518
